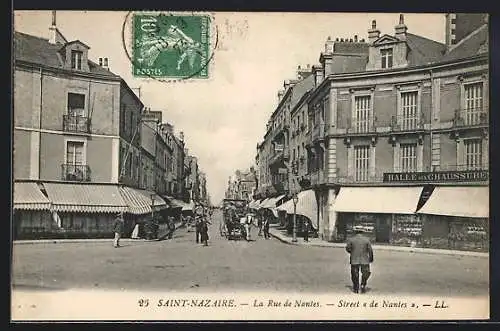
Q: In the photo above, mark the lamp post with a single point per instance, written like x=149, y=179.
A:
x=295, y=200
x=152, y=213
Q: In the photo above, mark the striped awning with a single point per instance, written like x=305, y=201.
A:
x=27, y=196
x=85, y=198
x=262, y=203
x=271, y=203
x=175, y=203
x=140, y=201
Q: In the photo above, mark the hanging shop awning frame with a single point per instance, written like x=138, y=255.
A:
x=27, y=196
x=142, y=201
x=306, y=206
x=383, y=200
x=85, y=198
x=460, y=201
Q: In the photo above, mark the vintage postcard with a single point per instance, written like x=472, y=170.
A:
x=204, y=166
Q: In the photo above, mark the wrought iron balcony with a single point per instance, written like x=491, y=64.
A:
x=470, y=117
x=361, y=126
x=407, y=123
x=361, y=178
x=72, y=123
x=76, y=172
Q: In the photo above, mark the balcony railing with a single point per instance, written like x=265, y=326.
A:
x=76, y=172
x=407, y=123
x=377, y=178
x=460, y=167
x=470, y=117
x=72, y=123
x=361, y=126
x=319, y=132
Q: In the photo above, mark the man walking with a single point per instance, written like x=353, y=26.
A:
x=361, y=255
x=198, y=226
x=118, y=229
x=306, y=228
x=265, y=227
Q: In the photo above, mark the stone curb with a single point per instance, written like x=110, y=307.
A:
x=287, y=240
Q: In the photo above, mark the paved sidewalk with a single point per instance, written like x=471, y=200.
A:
x=317, y=242
x=94, y=240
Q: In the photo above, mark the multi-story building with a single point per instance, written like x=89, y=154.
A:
x=242, y=185
x=77, y=145
x=402, y=121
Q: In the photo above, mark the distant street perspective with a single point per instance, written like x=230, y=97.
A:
x=180, y=264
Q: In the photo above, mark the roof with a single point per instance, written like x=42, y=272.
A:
x=423, y=50
x=473, y=44
x=40, y=51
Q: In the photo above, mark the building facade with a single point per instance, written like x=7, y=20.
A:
x=401, y=117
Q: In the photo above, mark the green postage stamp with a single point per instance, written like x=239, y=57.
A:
x=170, y=46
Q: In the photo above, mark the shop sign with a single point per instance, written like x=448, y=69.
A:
x=436, y=176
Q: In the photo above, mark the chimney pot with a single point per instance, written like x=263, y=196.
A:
x=329, y=38
x=106, y=62
x=350, y=40
x=341, y=40
x=374, y=24
x=298, y=67
x=100, y=61
x=53, y=18
x=336, y=39
x=355, y=38
x=401, y=19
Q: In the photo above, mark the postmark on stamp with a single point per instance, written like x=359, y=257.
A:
x=170, y=46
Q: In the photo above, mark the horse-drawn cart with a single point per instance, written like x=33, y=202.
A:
x=231, y=227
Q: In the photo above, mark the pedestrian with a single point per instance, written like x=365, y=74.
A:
x=306, y=229
x=204, y=232
x=266, y=228
x=198, y=226
x=248, y=223
x=171, y=227
x=259, y=224
x=361, y=255
x=118, y=229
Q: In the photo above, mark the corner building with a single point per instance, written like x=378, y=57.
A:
x=399, y=138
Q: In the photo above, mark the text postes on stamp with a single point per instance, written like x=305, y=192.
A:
x=170, y=46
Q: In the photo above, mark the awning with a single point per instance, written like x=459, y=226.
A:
x=188, y=206
x=462, y=201
x=306, y=205
x=384, y=200
x=174, y=203
x=256, y=204
x=262, y=203
x=27, y=196
x=85, y=198
x=271, y=203
x=139, y=201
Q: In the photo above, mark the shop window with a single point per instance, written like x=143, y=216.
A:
x=386, y=56
x=361, y=163
x=408, y=154
x=473, y=154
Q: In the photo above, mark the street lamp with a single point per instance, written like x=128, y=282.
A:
x=295, y=199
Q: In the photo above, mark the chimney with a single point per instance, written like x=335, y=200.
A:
x=100, y=62
x=373, y=33
x=318, y=74
x=286, y=84
x=401, y=28
x=355, y=38
x=280, y=95
x=105, y=63
x=329, y=45
x=181, y=136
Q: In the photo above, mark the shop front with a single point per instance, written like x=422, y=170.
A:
x=384, y=214
x=32, y=218
x=306, y=210
x=456, y=217
x=83, y=210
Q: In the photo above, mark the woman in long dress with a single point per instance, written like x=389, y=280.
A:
x=204, y=232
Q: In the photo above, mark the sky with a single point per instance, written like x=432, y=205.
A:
x=224, y=117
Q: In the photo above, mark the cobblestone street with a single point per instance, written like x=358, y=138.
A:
x=180, y=264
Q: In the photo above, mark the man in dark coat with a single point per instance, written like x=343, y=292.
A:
x=361, y=255
x=306, y=228
x=198, y=225
x=265, y=227
x=118, y=227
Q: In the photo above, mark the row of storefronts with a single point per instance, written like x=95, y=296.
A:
x=76, y=210
x=431, y=216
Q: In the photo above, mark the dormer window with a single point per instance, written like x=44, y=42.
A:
x=386, y=55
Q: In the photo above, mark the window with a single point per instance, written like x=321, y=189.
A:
x=473, y=103
x=362, y=113
x=386, y=55
x=76, y=60
x=74, y=152
x=408, y=154
x=361, y=163
x=473, y=154
x=409, y=110
x=76, y=104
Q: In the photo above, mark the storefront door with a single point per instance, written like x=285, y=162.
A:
x=382, y=231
